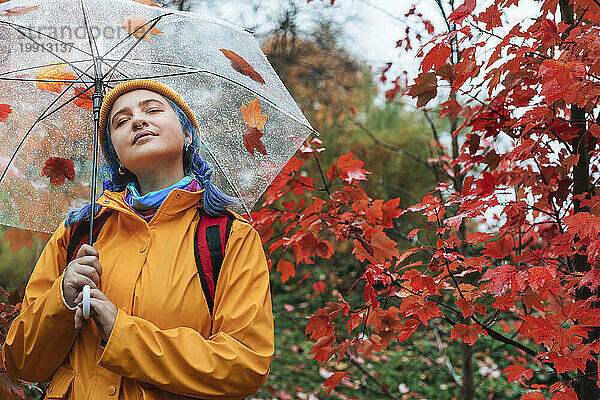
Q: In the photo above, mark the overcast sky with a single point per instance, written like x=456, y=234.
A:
x=373, y=29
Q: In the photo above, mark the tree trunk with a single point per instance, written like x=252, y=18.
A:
x=586, y=386
x=467, y=391
x=468, y=383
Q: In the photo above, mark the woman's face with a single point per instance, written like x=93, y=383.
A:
x=145, y=132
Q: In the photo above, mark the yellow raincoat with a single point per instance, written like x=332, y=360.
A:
x=164, y=344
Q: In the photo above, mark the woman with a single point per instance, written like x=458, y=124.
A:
x=153, y=335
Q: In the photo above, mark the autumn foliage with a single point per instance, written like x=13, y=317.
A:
x=507, y=244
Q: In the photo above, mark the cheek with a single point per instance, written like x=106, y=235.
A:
x=118, y=142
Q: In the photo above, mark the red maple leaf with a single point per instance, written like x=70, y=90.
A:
x=419, y=281
x=491, y=17
x=499, y=249
x=319, y=324
x=383, y=247
x=348, y=168
x=549, y=32
x=466, y=307
x=390, y=209
x=242, y=66
x=287, y=269
x=591, y=278
x=4, y=111
x=462, y=12
x=533, y=396
x=468, y=333
x=253, y=142
x=502, y=278
x=58, y=169
x=424, y=88
x=407, y=329
x=423, y=309
x=516, y=372
x=322, y=349
x=436, y=57
x=336, y=378
x=564, y=393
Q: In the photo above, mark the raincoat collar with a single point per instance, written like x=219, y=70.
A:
x=177, y=201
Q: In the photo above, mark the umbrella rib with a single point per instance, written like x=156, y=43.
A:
x=135, y=44
x=13, y=25
x=33, y=125
x=42, y=80
x=114, y=70
x=48, y=80
x=91, y=38
x=54, y=54
x=272, y=103
x=38, y=67
x=81, y=92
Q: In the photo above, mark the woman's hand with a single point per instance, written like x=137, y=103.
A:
x=103, y=312
x=85, y=269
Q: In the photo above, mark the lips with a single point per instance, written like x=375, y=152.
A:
x=142, y=134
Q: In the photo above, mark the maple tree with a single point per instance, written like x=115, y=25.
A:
x=508, y=238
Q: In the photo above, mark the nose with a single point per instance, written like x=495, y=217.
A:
x=139, y=121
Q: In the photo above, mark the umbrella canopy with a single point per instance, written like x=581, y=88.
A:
x=53, y=53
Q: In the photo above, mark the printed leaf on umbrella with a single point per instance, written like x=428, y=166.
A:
x=58, y=169
x=148, y=3
x=84, y=97
x=4, y=111
x=255, y=120
x=18, y=10
x=56, y=72
x=242, y=66
x=138, y=26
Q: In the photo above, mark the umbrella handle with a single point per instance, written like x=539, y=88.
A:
x=86, y=301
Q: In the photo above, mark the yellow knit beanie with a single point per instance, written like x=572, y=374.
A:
x=134, y=84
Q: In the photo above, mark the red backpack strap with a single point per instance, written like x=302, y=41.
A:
x=209, y=250
x=80, y=233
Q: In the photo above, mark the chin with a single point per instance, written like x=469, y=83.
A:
x=151, y=158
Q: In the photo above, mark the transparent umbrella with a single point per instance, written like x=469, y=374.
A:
x=58, y=58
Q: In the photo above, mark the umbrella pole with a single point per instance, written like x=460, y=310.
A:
x=97, y=99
